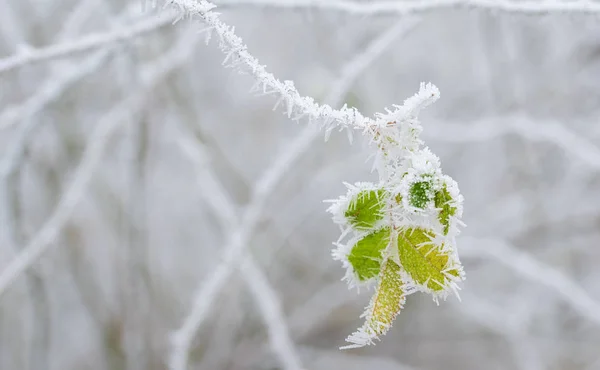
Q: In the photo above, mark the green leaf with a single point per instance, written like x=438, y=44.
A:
x=385, y=305
x=419, y=194
x=366, y=255
x=423, y=260
x=442, y=200
x=366, y=209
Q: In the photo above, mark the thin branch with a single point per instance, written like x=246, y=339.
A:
x=394, y=131
x=549, y=131
x=90, y=160
x=269, y=304
x=237, y=55
x=208, y=291
x=52, y=89
x=264, y=295
x=93, y=41
x=371, y=8
x=210, y=288
x=64, y=74
x=528, y=266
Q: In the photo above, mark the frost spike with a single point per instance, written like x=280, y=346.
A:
x=442, y=201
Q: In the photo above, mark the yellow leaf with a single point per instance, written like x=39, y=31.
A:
x=424, y=261
x=384, y=307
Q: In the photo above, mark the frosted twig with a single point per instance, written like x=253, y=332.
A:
x=92, y=156
x=50, y=90
x=207, y=293
x=268, y=303
x=528, y=266
x=101, y=39
x=210, y=288
x=538, y=7
x=296, y=106
x=549, y=131
x=264, y=295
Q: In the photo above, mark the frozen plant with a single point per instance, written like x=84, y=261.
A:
x=399, y=233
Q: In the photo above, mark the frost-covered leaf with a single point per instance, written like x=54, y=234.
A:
x=366, y=255
x=366, y=209
x=442, y=201
x=413, y=207
x=420, y=194
x=383, y=308
x=425, y=262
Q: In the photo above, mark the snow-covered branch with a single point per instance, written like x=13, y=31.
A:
x=237, y=55
x=540, y=7
x=28, y=56
x=273, y=316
